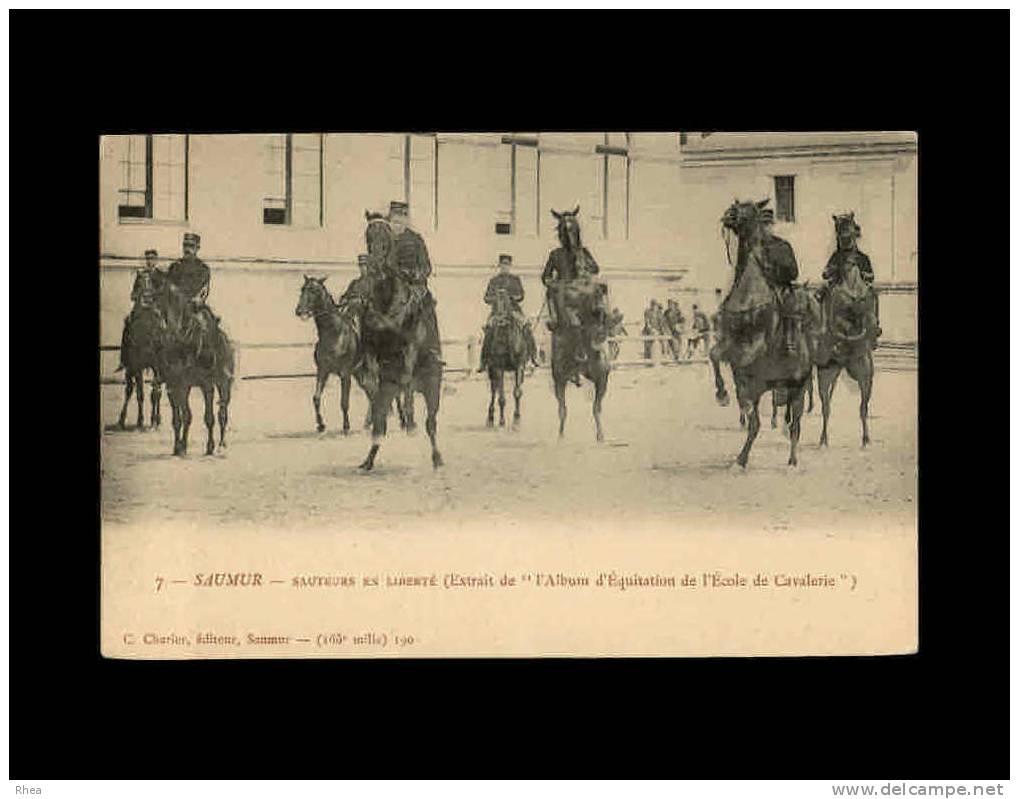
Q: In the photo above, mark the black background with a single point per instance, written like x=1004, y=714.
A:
x=939, y=714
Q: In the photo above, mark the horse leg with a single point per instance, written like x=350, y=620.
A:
x=381, y=403
x=753, y=426
x=178, y=418
x=601, y=384
x=794, y=411
x=774, y=411
x=721, y=395
x=345, y=400
x=128, y=389
x=156, y=397
x=826, y=377
x=432, y=394
x=320, y=383
x=408, y=410
x=139, y=388
x=185, y=410
x=810, y=391
x=493, y=390
x=209, y=395
x=518, y=392
x=560, y=395
x=862, y=372
x=502, y=398
x=224, y=404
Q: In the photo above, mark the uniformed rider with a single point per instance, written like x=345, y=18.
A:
x=506, y=281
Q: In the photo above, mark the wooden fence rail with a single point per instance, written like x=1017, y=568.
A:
x=660, y=356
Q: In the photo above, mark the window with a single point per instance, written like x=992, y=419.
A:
x=614, y=182
x=784, y=198
x=421, y=179
x=293, y=180
x=154, y=178
x=521, y=211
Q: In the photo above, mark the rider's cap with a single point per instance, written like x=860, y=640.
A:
x=153, y=253
x=505, y=260
x=398, y=208
x=362, y=260
x=192, y=238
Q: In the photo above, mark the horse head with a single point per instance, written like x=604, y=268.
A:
x=315, y=298
x=746, y=218
x=847, y=231
x=568, y=228
x=501, y=306
x=378, y=237
x=147, y=285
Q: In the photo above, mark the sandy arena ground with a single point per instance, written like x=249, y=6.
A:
x=667, y=456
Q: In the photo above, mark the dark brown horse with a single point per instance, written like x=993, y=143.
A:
x=849, y=311
x=337, y=351
x=194, y=351
x=394, y=333
x=507, y=351
x=139, y=346
x=764, y=353
x=569, y=343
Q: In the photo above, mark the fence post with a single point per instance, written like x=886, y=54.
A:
x=471, y=346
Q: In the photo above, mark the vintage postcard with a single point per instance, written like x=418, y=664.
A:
x=502, y=394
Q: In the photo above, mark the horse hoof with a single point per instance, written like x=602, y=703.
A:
x=737, y=468
x=502, y=423
x=366, y=466
x=792, y=466
x=320, y=427
x=722, y=398
x=436, y=460
x=490, y=423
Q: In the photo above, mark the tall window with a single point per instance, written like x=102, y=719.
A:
x=293, y=180
x=614, y=185
x=154, y=178
x=785, y=207
x=521, y=211
x=421, y=179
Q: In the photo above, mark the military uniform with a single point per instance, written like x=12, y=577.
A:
x=412, y=258
x=779, y=261
x=191, y=276
x=514, y=288
x=561, y=278
x=835, y=269
x=413, y=266
x=835, y=272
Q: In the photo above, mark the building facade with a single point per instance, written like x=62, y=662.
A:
x=269, y=206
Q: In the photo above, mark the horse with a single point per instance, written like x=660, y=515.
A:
x=775, y=403
x=569, y=342
x=764, y=353
x=395, y=335
x=139, y=346
x=194, y=353
x=337, y=351
x=849, y=311
x=507, y=351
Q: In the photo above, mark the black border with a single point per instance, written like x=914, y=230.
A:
x=936, y=714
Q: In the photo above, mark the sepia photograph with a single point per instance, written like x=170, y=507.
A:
x=511, y=394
